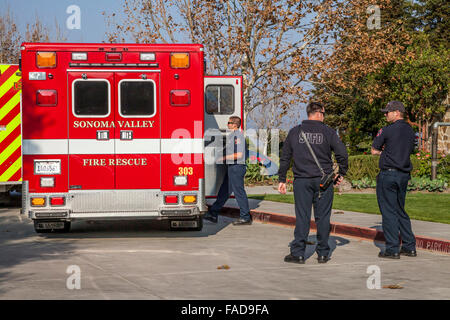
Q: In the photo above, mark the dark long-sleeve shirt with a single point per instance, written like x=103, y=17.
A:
x=398, y=142
x=323, y=141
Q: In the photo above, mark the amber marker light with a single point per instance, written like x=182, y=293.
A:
x=190, y=199
x=38, y=202
x=46, y=59
x=179, y=60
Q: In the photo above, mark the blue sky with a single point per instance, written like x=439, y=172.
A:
x=93, y=24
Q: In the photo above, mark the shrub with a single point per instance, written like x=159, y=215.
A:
x=366, y=166
x=364, y=183
x=415, y=184
x=425, y=183
x=253, y=173
x=422, y=167
x=362, y=166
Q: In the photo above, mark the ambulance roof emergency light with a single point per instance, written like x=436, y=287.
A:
x=179, y=60
x=46, y=59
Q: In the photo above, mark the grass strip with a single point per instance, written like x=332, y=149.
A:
x=419, y=206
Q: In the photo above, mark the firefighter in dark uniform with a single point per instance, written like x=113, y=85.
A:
x=394, y=143
x=307, y=177
x=235, y=155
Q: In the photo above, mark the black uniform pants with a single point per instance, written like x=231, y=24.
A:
x=391, y=194
x=306, y=195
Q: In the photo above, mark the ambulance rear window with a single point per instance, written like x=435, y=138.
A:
x=137, y=98
x=219, y=99
x=91, y=97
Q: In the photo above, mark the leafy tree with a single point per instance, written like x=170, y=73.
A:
x=422, y=82
x=276, y=45
x=432, y=17
x=418, y=76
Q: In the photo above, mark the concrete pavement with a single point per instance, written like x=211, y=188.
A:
x=429, y=235
x=142, y=260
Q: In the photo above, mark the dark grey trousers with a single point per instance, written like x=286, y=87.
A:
x=391, y=195
x=306, y=195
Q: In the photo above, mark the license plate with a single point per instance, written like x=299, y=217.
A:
x=47, y=167
x=50, y=225
x=183, y=224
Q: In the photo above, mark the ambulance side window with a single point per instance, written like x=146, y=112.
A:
x=219, y=99
x=137, y=98
x=91, y=98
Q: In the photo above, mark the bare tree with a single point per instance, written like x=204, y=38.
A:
x=10, y=39
x=288, y=41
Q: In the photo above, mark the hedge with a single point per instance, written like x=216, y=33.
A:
x=366, y=166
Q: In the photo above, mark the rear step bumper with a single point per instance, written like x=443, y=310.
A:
x=114, y=204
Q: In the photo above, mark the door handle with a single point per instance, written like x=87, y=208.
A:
x=102, y=135
x=126, y=135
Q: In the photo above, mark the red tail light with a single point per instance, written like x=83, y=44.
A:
x=171, y=199
x=46, y=98
x=113, y=56
x=57, y=201
x=180, y=98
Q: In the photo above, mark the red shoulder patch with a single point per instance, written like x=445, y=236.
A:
x=379, y=132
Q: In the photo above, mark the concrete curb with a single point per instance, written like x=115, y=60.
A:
x=422, y=242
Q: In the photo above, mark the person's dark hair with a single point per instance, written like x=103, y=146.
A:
x=236, y=120
x=314, y=107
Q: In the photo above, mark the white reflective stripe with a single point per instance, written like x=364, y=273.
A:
x=91, y=146
x=182, y=146
x=45, y=146
x=142, y=146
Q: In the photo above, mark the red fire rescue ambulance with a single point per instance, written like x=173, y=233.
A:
x=117, y=131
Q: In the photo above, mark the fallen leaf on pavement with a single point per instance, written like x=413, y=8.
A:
x=393, y=286
x=225, y=266
x=339, y=212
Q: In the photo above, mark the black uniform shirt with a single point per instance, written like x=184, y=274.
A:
x=398, y=141
x=323, y=141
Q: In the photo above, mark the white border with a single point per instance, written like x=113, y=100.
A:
x=119, y=106
x=73, y=98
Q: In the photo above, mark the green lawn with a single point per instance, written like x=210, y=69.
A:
x=419, y=206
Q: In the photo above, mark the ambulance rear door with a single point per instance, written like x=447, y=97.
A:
x=138, y=132
x=223, y=99
x=91, y=130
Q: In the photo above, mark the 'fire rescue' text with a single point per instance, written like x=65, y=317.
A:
x=115, y=162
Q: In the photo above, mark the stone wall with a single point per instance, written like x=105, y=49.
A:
x=444, y=135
